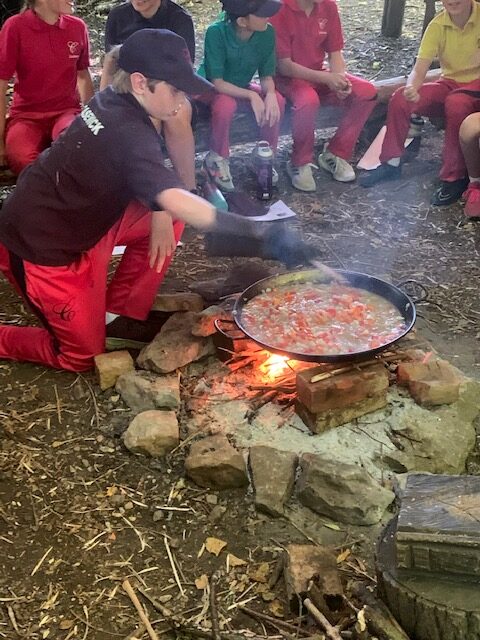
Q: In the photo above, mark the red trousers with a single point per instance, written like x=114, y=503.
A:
x=26, y=137
x=437, y=99
x=223, y=109
x=71, y=300
x=306, y=99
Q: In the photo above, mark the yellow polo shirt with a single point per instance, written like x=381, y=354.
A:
x=457, y=49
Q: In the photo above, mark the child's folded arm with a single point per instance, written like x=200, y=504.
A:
x=416, y=79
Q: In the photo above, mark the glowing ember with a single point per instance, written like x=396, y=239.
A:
x=275, y=366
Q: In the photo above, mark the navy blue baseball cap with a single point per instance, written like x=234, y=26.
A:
x=160, y=54
x=259, y=8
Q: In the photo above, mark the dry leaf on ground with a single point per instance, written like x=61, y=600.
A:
x=215, y=545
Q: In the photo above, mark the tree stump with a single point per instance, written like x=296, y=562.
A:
x=428, y=607
x=392, y=19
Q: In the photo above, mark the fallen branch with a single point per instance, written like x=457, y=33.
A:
x=378, y=617
x=141, y=613
x=213, y=605
x=332, y=632
x=172, y=564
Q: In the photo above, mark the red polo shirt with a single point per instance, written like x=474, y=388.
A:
x=306, y=39
x=45, y=60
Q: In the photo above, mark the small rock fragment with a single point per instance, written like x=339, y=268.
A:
x=110, y=366
x=213, y=462
x=153, y=433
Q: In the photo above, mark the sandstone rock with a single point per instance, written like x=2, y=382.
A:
x=142, y=390
x=304, y=563
x=175, y=346
x=431, y=383
x=440, y=440
x=324, y=420
x=109, y=366
x=205, y=322
x=154, y=433
x=342, y=492
x=273, y=474
x=178, y=302
x=213, y=462
x=340, y=391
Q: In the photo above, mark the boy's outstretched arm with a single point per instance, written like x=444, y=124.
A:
x=416, y=79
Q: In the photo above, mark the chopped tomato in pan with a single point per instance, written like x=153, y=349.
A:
x=322, y=319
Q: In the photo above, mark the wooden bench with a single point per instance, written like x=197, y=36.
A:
x=244, y=128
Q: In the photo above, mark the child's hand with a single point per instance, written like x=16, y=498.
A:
x=162, y=239
x=411, y=94
x=258, y=107
x=344, y=93
x=272, y=110
x=337, y=82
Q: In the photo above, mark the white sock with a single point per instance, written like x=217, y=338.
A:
x=110, y=317
x=473, y=179
x=394, y=162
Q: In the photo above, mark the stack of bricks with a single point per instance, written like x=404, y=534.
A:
x=334, y=400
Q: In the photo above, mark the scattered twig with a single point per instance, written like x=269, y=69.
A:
x=141, y=613
x=331, y=631
x=40, y=562
x=213, y=605
x=172, y=563
x=275, y=622
x=137, y=633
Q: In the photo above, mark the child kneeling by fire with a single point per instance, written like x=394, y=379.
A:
x=104, y=183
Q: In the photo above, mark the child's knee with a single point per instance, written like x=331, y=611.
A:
x=306, y=100
x=223, y=106
x=470, y=127
x=458, y=106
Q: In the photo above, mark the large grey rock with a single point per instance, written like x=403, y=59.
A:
x=142, y=390
x=437, y=441
x=153, y=433
x=273, y=474
x=343, y=492
x=175, y=346
x=213, y=462
x=204, y=324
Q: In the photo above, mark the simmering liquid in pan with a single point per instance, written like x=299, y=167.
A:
x=322, y=319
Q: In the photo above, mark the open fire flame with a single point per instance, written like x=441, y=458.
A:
x=274, y=366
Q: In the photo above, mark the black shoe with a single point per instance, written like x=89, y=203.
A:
x=127, y=333
x=380, y=174
x=448, y=192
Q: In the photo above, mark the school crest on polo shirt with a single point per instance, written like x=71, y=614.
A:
x=322, y=26
x=73, y=49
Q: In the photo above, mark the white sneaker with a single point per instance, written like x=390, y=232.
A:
x=340, y=169
x=301, y=177
x=219, y=169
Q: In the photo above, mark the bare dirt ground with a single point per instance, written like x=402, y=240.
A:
x=77, y=510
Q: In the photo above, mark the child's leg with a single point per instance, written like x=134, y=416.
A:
x=61, y=122
x=223, y=109
x=469, y=142
x=458, y=105
x=358, y=107
x=306, y=102
x=133, y=287
x=431, y=103
x=268, y=133
x=25, y=140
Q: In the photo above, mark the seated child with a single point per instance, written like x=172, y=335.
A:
x=307, y=31
x=132, y=16
x=469, y=142
x=47, y=50
x=236, y=48
x=453, y=37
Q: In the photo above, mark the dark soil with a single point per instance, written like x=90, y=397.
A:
x=76, y=509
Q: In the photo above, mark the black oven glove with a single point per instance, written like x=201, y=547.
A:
x=235, y=235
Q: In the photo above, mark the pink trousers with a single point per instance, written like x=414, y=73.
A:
x=26, y=138
x=437, y=99
x=71, y=300
x=307, y=98
x=223, y=109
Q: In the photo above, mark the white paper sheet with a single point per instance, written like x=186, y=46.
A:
x=278, y=211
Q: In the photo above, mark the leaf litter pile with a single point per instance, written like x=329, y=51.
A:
x=97, y=543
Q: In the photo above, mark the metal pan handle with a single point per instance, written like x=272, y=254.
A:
x=416, y=291
x=233, y=333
